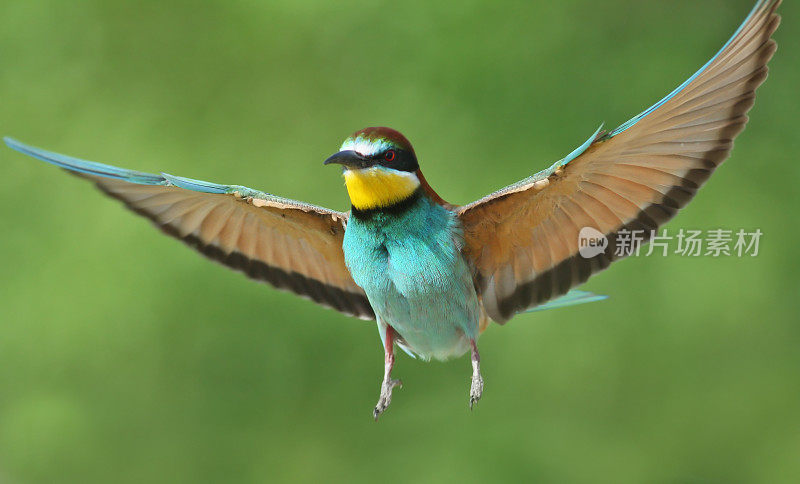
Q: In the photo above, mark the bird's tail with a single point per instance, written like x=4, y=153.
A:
x=571, y=298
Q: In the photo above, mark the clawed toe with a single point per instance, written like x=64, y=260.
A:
x=386, y=397
x=476, y=390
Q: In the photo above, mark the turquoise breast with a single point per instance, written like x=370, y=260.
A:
x=409, y=263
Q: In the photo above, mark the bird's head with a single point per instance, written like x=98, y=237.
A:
x=380, y=168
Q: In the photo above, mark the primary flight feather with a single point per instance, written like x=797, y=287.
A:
x=433, y=274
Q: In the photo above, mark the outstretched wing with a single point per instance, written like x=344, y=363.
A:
x=523, y=239
x=291, y=245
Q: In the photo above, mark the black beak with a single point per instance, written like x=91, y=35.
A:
x=349, y=159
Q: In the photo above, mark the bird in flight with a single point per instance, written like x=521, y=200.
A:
x=433, y=274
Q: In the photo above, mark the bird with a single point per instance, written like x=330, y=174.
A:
x=432, y=274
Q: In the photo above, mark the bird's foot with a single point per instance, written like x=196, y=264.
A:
x=386, y=396
x=475, y=390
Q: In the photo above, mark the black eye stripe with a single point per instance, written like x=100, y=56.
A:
x=402, y=160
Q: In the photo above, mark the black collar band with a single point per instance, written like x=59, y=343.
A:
x=398, y=207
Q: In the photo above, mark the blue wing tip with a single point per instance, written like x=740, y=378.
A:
x=109, y=171
x=580, y=149
x=195, y=185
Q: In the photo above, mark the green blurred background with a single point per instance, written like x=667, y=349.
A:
x=125, y=357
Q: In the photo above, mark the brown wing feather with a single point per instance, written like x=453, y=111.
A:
x=523, y=240
x=295, y=247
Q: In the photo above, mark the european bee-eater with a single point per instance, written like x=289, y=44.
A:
x=430, y=273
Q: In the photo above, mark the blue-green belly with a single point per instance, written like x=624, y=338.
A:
x=412, y=270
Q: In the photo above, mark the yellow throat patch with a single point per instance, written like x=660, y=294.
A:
x=378, y=187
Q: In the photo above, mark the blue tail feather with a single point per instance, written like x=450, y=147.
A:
x=572, y=298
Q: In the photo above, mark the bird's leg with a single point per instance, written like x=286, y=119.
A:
x=476, y=389
x=386, y=387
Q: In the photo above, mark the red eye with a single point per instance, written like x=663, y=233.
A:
x=389, y=156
